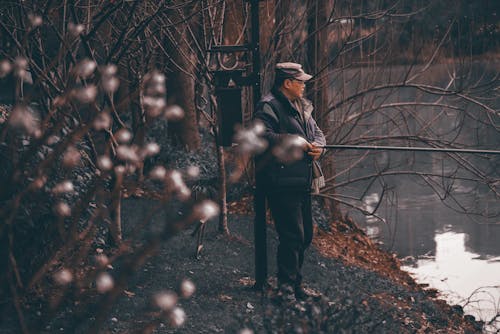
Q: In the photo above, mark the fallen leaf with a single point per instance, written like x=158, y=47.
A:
x=128, y=293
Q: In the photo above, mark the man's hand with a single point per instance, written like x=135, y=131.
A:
x=314, y=151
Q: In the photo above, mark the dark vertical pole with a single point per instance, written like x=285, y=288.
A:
x=259, y=195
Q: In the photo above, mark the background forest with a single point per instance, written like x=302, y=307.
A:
x=101, y=100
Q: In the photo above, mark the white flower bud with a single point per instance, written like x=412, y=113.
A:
x=85, y=68
x=158, y=173
x=173, y=113
x=104, y=282
x=127, y=153
x=187, y=288
x=59, y=101
x=165, y=300
x=120, y=170
x=63, y=187
x=123, y=136
x=63, y=277
x=35, y=20
x=102, y=260
x=75, y=29
x=39, y=182
x=85, y=94
x=104, y=163
x=154, y=105
x=110, y=84
x=193, y=172
x=151, y=149
x=21, y=63
x=24, y=118
x=62, y=209
x=177, y=317
x=5, y=68
x=245, y=331
x=102, y=121
x=250, y=139
x=109, y=70
x=205, y=210
x=53, y=140
x=71, y=157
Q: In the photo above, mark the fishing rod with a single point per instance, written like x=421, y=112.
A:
x=409, y=148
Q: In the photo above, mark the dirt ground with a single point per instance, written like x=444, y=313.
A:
x=355, y=287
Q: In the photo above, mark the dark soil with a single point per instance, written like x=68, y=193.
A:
x=355, y=287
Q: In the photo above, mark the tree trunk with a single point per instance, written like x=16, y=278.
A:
x=181, y=83
x=318, y=60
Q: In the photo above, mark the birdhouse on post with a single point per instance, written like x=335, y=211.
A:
x=229, y=110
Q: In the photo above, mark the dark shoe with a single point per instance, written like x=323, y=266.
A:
x=301, y=294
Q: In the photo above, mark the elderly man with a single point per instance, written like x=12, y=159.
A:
x=286, y=176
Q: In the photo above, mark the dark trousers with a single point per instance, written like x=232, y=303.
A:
x=292, y=216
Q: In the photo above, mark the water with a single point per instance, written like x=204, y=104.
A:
x=453, y=252
x=446, y=230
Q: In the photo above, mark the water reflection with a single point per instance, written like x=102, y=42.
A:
x=463, y=277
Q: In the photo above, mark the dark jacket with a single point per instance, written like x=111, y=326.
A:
x=281, y=119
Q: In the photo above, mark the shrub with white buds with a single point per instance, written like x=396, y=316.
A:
x=173, y=113
x=85, y=94
x=5, y=68
x=158, y=173
x=165, y=300
x=102, y=121
x=104, y=282
x=187, y=288
x=63, y=277
x=62, y=209
x=65, y=186
x=177, y=317
x=75, y=29
x=205, y=210
x=71, y=157
x=123, y=136
x=104, y=163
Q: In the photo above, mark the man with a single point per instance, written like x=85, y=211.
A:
x=284, y=177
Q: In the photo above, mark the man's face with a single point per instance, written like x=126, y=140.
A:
x=294, y=88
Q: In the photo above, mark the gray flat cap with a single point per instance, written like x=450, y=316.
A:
x=292, y=71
